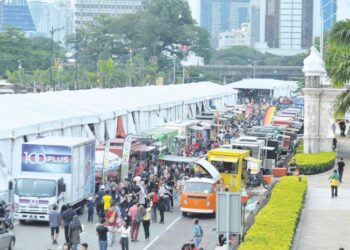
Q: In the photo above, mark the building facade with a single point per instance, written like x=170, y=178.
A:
x=257, y=23
x=289, y=25
x=329, y=13
x=223, y=15
x=235, y=37
x=86, y=10
x=52, y=15
x=15, y=13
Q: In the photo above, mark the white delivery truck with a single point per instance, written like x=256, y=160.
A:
x=54, y=171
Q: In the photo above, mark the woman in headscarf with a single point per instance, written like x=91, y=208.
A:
x=74, y=231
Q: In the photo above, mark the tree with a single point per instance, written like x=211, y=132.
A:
x=338, y=62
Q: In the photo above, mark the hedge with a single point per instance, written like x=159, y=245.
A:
x=275, y=224
x=315, y=163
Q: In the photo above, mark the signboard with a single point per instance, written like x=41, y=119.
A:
x=46, y=159
x=229, y=212
x=125, y=157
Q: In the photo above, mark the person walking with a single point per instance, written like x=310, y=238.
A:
x=67, y=218
x=341, y=166
x=334, y=178
x=146, y=221
x=54, y=219
x=133, y=212
x=111, y=219
x=98, y=201
x=102, y=231
x=107, y=202
x=90, y=205
x=197, y=233
x=154, y=203
x=75, y=229
x=124, y=239
x=161, y=207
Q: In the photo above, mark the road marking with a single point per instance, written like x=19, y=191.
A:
x=151, y=243
x=60, y=247
x=173, y=223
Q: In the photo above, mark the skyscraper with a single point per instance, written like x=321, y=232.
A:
x=329, y=13
x=257, y=23
x=47, y=15
x=289, y=24
x=222, y=15
x=15, y=13
x=86, y=10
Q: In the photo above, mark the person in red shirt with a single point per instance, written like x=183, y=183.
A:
x=134, y=225
x=111, y=221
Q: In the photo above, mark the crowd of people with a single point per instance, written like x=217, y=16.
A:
x=123, y=207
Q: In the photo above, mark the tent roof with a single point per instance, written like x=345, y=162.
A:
x=39, y=112
x=262, y=84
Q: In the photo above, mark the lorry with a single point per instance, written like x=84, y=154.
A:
x=54, y=171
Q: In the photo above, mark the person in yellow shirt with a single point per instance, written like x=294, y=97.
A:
x=146, y=219
x=106, y=200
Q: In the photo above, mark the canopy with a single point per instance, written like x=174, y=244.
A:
x=113, y=160
x=179, y=159
x=280, y=88
x=162, y=133
x=40, y=112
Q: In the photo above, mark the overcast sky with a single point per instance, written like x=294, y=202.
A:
x=194, y=4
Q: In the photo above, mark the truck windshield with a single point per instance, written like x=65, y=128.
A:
x=35, y=188
x=226, y=167
x=198, y=187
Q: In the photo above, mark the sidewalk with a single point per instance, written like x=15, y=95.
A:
x=324, y=222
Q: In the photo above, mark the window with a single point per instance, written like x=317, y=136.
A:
x=226, y=167
x=198, y=187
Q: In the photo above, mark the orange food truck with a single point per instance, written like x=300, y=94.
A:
x=199, y=193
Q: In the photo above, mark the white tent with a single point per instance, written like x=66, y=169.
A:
x=95, y=112
x=279, y=87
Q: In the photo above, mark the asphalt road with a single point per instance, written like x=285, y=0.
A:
x=171, y=235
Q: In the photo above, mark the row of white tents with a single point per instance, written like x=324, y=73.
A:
x=95, y=112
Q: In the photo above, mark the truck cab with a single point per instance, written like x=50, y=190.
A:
x=34, y=197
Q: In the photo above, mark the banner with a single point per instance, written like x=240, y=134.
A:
x=46, y=159
x=125, y=157
x=105, y=162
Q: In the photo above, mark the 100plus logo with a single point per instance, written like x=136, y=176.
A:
x=41, y=158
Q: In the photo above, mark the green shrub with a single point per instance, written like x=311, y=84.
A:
x=315, y=163
x=275, y=224
x=300, y=147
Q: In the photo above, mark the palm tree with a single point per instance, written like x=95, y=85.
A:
x=338, y=63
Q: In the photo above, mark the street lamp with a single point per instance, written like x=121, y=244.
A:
x=52, y=32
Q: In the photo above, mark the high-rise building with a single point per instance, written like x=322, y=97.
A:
x=15, y=13
x=223, y=15
x=329, y=13
x=257, y=23
x=51, y=15
x=289, y=24
x=86, y=10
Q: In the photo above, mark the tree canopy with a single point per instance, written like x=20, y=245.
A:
x=338, y=62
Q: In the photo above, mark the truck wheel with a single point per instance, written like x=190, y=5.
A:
x=184, y=214
x=22, y=222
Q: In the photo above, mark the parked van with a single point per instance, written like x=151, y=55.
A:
x=199, y=193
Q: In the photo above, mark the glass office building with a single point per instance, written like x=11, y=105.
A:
x=15, y=13
x=329, y=13
x=223, y=15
